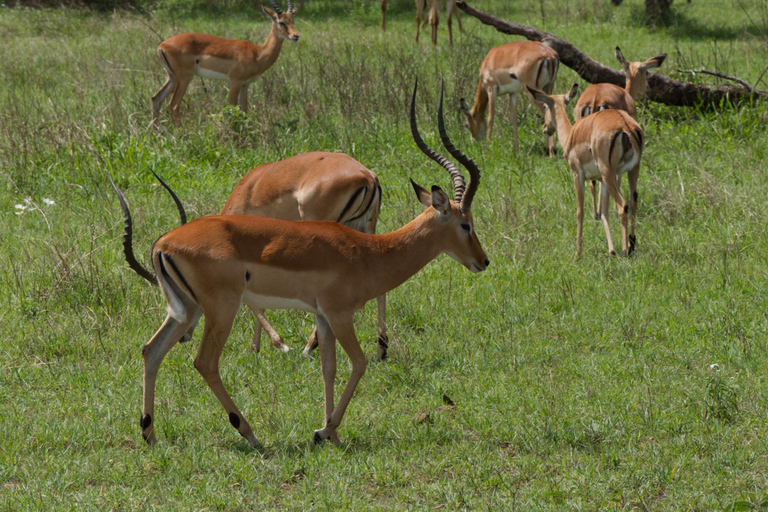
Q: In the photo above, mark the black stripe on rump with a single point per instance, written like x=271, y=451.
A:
x=181, y=276
x=351, y=202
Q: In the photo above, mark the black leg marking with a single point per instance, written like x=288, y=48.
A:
x=234, y=419
x=384, y=345
x=146, y=421
x=634, y=195
x=145, y=436
x=247, y=276
x=316, y=438
x=613, y=253
x=626, y=208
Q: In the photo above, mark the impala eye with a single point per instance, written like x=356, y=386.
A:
x=466, y=227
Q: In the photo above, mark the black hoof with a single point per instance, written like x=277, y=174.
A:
x=316, y=438
x=597, y=216
x=613, y=253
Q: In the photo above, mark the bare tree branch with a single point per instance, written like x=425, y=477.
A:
x=719, y=75
x=661, y=89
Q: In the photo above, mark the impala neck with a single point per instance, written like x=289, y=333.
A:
x=563, y=125
x=270, y=50
x=402, y=253
x=636, y=86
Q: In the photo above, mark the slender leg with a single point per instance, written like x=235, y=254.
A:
x=433, y=21
x=632, y=176
x=593, y=189
x=327, y=342
x=312, y=343
x=513, y=113
x=178, y=94
x=217, y=328
x=262, y=321
x=234, y=92
x=450, y=6
x=419, y=12
x=159, y=97
x=458, y=14
x=578, y=182
x=383, y=339
x=153, y=354
x=614, y=189
x=604, y=198
x=344, y=329
x=242, y=98
x=491, y=104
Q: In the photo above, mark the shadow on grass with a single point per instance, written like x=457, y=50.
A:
x=684, y=27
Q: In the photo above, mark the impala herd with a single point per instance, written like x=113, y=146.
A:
x=256, y=252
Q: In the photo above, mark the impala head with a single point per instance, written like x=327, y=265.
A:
x=637, y=73
x=454, y=216
x=475, y=123
x=550, y=102
x=282, y=21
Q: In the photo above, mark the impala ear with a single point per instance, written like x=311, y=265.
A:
x=572, y=93
x=422, y=194
x=292, y=11
x=654, y=62
x=440, y=200
x=541, y=97
x=622, y=60
x=269, y=12
x=463, y=106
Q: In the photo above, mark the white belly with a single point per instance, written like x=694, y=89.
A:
x=589, y=171
x=207, y=73
x=266, y=302
x=627, y=165
x=511, y=87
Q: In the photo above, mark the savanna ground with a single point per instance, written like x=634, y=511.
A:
x=581, y=384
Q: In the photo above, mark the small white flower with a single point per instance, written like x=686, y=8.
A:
x=20, y=207
x=49, y=202
x=714, y=367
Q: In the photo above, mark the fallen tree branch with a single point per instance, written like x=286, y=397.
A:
x=719, y=75
x=661, y=89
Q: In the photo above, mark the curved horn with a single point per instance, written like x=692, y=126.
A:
x=275, y=7
x=458, y=179
x=128, y=239
x=468, y=163
x=176, y=200
x=290, y=7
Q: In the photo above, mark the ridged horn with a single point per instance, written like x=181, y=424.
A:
x=458, y=179
x=176, y=200
x=290, y=7
x=474, y=172
x=275, y=7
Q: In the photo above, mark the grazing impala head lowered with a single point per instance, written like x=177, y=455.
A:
x=212, y=265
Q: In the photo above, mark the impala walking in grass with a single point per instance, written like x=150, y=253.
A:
x=210, y=266
x=241, y=62
x=602, y=146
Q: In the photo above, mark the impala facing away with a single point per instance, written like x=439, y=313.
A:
x=602, y=146
x=210, y=266
x=241, y=62
x=433, y=19
x=509, y=69
x=599, y=97
x=309, y=186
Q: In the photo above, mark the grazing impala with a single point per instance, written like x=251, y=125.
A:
x=602, y=146
x=241, y=62
x=213, y=264
x=433, y=19
x=509, y=69
x=309, y=186
x=599, y=97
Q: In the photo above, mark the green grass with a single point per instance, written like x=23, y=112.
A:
x=579, y=384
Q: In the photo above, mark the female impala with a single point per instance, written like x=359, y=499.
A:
x=310, y=186
x=433, y=19
x=599, y=97
x=509, y=69
x=241, y=62
x=213, y=264
x=601, y=146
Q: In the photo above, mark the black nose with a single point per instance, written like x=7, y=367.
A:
x=487, y=262
x=295, y=38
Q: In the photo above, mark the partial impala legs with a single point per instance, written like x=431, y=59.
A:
x=343, y=328
x=168, y=87
x=261, y=321
x=513, y=113
x=632, y=178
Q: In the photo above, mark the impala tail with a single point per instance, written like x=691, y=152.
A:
x=130, y=257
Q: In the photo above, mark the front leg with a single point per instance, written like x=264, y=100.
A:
x=344, y=329
x=242, y=98
x=234, y=92
x=632, y=176
x=491, y=91
x=327, y=343
x=578, y=183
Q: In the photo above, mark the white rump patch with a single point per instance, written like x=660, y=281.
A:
x=175, y=307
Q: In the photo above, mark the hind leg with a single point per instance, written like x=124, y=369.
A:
x=153, y=354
